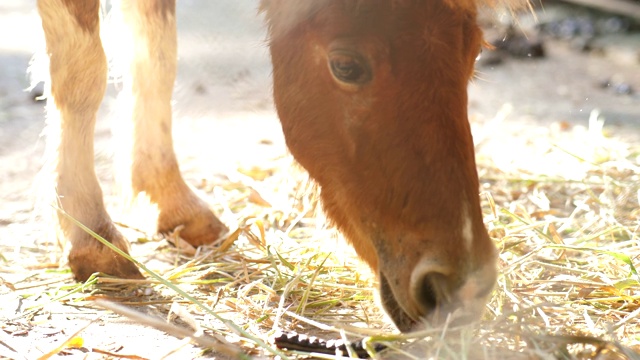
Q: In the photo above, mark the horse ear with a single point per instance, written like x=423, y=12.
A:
x=264, y=6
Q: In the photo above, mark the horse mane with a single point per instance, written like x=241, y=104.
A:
x=465, y=4
x=511, y=4
x=474, y=5
x=508, y=4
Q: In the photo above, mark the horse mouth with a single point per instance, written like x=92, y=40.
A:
x=403, y=321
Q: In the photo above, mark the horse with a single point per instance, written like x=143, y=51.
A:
x=372, y=99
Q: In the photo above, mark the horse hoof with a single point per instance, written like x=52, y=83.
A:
x=201, y=226
x=88, y=255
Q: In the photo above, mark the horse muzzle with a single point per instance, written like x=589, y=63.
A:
x=436, y=294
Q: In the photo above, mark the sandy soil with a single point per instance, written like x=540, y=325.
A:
x=224, y=112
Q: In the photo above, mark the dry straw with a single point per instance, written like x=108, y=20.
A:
x=563, y=213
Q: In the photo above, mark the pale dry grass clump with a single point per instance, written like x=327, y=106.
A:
x=563, y=209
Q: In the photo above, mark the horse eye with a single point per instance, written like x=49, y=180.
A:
x=349, y=68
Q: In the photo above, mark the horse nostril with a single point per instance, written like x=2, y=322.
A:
x=439, y=293
x=432, y=292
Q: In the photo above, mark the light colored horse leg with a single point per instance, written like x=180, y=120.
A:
x=78, y=71
x=154, y=168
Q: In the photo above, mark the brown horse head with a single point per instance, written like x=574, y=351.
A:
x=372, y=96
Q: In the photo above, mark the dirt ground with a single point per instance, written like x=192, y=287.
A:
x=224, y=118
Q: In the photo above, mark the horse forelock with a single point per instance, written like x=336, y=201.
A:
x=283, y=15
